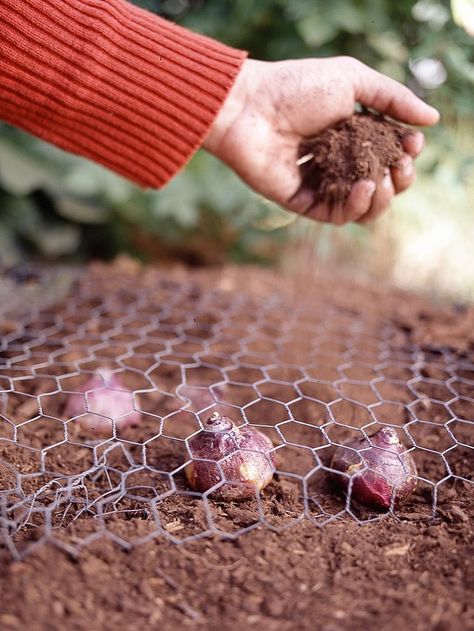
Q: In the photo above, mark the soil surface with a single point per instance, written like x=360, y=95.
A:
x=363, y=146
x=320, y=565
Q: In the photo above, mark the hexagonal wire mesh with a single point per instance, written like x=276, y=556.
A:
x=309, y=378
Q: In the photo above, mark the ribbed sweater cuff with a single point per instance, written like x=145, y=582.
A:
x=112, y=82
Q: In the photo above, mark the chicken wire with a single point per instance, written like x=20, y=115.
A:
x=310, y=376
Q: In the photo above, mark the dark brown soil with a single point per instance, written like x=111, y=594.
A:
x=361, y=147
x=408, y=571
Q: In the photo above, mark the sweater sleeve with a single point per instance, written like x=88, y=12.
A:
x=112, y=82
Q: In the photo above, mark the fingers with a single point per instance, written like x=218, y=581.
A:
x=403, y=174
x=357, y=205
x=394, y=181
x=367, y=199
x=381, y=199
x=388, y=96
x=413, y=143
x=359, y=201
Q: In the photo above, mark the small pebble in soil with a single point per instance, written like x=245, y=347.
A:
x=381, y=469
x=362, y=146
x=244, y=454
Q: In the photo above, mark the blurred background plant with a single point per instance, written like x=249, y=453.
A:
x=56, y=206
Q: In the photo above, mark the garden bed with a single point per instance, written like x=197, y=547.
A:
x=111, y=537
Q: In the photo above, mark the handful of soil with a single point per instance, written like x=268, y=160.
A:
x=360, y=147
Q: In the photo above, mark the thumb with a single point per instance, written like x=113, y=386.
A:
x=390, y=97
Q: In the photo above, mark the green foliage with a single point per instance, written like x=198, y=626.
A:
x=54, y=205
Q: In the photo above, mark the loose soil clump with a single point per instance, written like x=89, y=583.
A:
x=363, y=146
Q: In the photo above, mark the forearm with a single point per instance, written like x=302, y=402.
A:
x=111, y=82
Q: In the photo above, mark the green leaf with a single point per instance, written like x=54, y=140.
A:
x=316, y=31
x=19, y=173
x=459, y=64
x=56, y=241
x=86, y=179
x=178, y=201
x=348, y=17
x=389, y=46
x=81, y=211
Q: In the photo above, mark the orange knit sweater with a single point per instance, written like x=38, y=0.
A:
x=112, y=82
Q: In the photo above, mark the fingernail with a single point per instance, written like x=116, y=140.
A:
x=419, y=142
x=405, y=166
x=370, y=189
x=435, y=111
x=387, y=180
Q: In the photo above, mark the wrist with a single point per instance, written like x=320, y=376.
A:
x=232, y=108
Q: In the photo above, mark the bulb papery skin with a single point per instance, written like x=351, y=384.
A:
x=108, y=402
x=382, y=472
x=243, y=455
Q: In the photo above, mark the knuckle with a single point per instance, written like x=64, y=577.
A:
x=351, y=62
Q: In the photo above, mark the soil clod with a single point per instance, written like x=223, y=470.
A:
x=360, y=147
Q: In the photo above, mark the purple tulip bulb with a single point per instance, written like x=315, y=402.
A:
x=244, y=454
x=384, y=469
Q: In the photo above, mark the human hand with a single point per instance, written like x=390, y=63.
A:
x=273, y=106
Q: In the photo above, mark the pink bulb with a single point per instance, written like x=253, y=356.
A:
x=105, y=399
